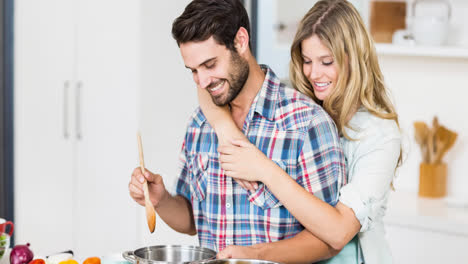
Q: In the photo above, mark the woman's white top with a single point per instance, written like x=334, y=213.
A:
x=371, y=159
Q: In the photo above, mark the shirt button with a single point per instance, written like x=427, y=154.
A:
x=228, y=205
x=228, y=241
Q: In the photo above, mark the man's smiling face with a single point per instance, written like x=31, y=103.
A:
x=217, y=69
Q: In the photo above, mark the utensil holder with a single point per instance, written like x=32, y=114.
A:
x=432, y=180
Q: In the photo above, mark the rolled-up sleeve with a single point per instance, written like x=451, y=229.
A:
x=371, y=174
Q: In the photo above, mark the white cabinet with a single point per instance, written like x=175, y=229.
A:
x=76, y=88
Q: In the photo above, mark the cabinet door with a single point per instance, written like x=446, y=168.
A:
x=44, y=39
x=108, y=68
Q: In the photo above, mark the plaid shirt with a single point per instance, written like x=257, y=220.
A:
x=291, y=130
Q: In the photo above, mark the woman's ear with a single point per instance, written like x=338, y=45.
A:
x=241, y=41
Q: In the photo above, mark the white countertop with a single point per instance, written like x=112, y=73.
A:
x=409, y=210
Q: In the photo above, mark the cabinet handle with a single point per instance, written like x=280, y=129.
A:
x=78, y=110
x=66, y=133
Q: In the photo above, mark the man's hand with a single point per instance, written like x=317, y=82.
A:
x=239, y=252
x=156, y=188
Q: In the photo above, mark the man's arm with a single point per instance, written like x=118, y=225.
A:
x=176, y=211
x=302, y=248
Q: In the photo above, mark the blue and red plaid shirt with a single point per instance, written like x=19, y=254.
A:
x=290, y=129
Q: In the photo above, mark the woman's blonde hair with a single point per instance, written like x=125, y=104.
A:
x=360, y=83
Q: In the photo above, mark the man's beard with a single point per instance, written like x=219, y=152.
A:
x=239, y=72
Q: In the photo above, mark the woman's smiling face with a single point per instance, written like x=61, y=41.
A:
x=319, y=67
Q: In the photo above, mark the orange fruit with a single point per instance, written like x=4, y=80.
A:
x=37, y=261
x=92, y=260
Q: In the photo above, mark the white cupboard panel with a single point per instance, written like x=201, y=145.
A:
x=43, y=149
x=107, y=150
x=76, y=146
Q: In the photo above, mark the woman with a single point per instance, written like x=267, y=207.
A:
x=333, y=60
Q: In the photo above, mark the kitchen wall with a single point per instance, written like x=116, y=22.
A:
x=167, y=98
x=422, y=88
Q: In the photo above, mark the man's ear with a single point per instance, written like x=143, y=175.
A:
x=241, y=41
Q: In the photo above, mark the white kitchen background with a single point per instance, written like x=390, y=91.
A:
x=73, y=194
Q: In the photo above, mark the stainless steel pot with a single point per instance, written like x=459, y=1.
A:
x=237, y=261
x=169, y=254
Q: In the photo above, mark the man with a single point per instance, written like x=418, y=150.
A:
x=213, y=37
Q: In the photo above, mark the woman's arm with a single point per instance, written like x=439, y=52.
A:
x=226, y=129
x=372, y=171
x=302, y=248
x=336, y=226
x=219, y=118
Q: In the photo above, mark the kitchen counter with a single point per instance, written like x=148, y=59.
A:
x=412, y=211
x=422, y=230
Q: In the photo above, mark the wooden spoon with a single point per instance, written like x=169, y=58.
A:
x=435, y=147
x=150, y=213
x=445, y=138
x=430, y=145
x=421, y=132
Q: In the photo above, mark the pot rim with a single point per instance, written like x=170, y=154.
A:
x=132, y=256
x=229, y=260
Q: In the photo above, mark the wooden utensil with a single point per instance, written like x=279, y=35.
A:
x=435, y=146
x=421, y=132
x=150, y=213
x=435, y=123
x=445, y=140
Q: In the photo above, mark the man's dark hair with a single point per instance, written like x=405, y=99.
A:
x=202, y=19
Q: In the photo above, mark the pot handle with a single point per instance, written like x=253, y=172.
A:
x=128, y=255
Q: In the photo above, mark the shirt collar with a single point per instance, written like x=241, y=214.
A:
x=265, y=102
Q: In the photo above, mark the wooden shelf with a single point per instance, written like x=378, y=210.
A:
x=422, y=51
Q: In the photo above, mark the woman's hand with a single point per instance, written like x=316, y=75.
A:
x=244, y=161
